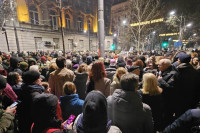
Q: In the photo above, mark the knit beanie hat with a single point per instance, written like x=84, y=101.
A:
x=185, y=58
x=23, y=65
x=2, y=82
x=30, y=76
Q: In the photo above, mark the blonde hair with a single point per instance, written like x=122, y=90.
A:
x=82, y=68
x=150, y=85
x=121, y=69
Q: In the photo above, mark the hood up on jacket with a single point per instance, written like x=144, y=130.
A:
x=94, y=118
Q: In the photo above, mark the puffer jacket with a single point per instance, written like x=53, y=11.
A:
x=126, y=110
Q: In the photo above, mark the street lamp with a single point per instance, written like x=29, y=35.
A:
x=172, y=13
x=115, y=35
x=124, y=22
x=194, y=34
x=189, y=25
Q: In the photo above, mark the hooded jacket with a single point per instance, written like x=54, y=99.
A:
x=126, y=110
x=94, y=118
x=80, y=81
x=24, y=109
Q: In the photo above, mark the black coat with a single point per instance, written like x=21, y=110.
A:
x=186, y=88
x=189, y=120
x=24, y=109
x=80, y=82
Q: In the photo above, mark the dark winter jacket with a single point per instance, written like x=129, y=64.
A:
x=80, y=81
x=110, y=73
x=186, y=123
x=187, y=88
x=24, y=109
x=70, y=104
x=126, y=110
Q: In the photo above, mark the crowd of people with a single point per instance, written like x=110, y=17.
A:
x=119, y=93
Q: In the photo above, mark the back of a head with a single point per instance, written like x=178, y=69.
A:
x=44, y=107
x=12, y=78
x=61, y=62
x=2, y=83
x=95, y=113
x=129, y=82
x=30, y=77
x=69, y=88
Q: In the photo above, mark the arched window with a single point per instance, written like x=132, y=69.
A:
x=67, y=17
x=54, y=20
x=80, y=24
x=33, y=15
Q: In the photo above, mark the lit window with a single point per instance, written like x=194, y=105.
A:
x=80, y=24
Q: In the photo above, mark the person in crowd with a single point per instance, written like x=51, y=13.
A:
x=59, y=77
x=126, y=110
x=189, y=122
x=43, y=61
x=166, y=79
x=31, y=61
x=52, y=67
x=98, y=80
x=23, y=66
x=121, y=62
x=195, y=62
x=70, y=103
x=15, y=81
x=6, y=116
x=80, y=80
x=106, y=63
x=111, y=70
x=139, y=63
x=129, y=63
x=47, y=89
x=143, y=59
x=34, y=68
x=30, y=88
x=14, y=61
x=187, y=86
x=1, y=66
x=116, y=80
x=152, y=60
x=89, y=60
x=94, y=118
x=44, y=115
x=151, y=95
x=135, y=70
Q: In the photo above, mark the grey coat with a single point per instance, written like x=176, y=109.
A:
x=126, y=110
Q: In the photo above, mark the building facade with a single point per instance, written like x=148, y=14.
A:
x=37, y=26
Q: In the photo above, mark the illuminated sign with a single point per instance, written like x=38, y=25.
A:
x=169, y=34
x=148, y=22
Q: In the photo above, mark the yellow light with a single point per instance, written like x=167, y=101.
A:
x=95, y=23
x=85, y=23
x=22, y=11
x=148, y=22
x=169, y=34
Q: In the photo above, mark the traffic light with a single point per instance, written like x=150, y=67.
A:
x=113, y=46
x=165, y=44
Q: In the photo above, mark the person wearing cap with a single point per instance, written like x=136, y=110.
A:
x=31, y=87
x=126, y=110
x=6, y=116
x=187, y=86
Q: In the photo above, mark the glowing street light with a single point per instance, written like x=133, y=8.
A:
x=84, y=31
x=172, y=13
x=194, y=34
x=124, y=22
x=115, y=35
x=189, y=25
x=154, y=32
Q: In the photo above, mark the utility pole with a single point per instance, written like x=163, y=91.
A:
x=89, y=34
x=4, y=30
x=62, y=32
x=14, y=25
x=101, y=30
